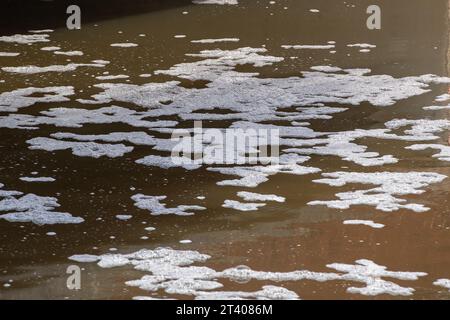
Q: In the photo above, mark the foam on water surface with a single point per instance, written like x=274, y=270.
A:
x=69, y=53
x=37, y=179
x=32, y=208
x=445, y=283
x=251, y=196
x=156, y=207
x=232, y=204
x=216, y=40
x=9, y=54
x=368, y=223
x=173, y=271
x=220, y=2
x=384, y=196
x=240, y=93
x=443, y=155
x=124, y=45
x=25, y=38
x=362, y=45
x=53, y=68
x=112, y=77
x=76, y=118
x=124, y=217
x=51, y=48
x=246, y=101
x=81, y=149
x=309, y=46
x=41, y=31
x=14, y=100
x=266, y=293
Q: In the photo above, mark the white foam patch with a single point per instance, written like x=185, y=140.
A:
x=41, y=31
x=7, y=193
x=173, y=271
x=420, y=127
x=167, y=162
x=220, y=63
x=25, y=38
x=156, y=207
x=250, y=177
x=32, y=208
x=145, y=298
x=76, y=118
x=253, y=176
x=424, y=129
x=51, y=48
x=9, y=54
x=326, y=69
x=81, y=149
x=20, y=98
x=124, y=217
x=104, y=62
x=84, y=258
x=112, y=77
x=368, y=223
x=436, y=108
x=250, y=100
x=53, y=68
x=309, y=46
x=142, y=138
x=443, y=155
x=251, y=196
x=37, y=179
x=137, y=138
x=358, y=71
x=69, y=53
x=284, y=131
x=266, y=293
x=383, y=197
x=443, y=97
x=445, y=283
x=362, y=45
x=124, y=45
x=373, y=275
x=216, y=40
x=341, y=144
x=220, y=2
x=240, y=92
x=236, y=205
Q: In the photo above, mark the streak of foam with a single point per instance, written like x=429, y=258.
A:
x=39, y=210
x=383, y=197
x=173, y=271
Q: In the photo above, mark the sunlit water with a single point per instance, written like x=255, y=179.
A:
x=364, y=149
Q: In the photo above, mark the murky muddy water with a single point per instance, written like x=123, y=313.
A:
x=362, y=185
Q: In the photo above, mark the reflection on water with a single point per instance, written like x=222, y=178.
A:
x=106, y=108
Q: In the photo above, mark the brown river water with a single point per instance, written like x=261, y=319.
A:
x=277, y=239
